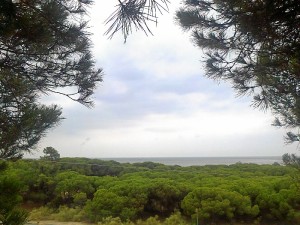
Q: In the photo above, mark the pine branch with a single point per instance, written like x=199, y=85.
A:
x=134, y=15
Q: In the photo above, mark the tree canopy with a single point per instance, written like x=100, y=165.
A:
x=50, y=154
x=69, y=190
x=252, y=44
x=255, y=46
x=44, y=48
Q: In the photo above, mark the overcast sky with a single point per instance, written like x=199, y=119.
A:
x=156, y=102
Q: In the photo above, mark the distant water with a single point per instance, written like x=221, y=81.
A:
x=201, y=161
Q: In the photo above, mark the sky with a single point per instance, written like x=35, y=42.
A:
x=155, y=101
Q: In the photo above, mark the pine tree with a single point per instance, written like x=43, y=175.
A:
x=255, y=45
x=50, y=154
x=44, y=48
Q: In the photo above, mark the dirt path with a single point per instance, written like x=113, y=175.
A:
x=51, y=222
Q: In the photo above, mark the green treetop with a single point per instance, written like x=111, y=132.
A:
x=50, y=154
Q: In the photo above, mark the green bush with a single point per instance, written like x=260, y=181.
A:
x=42, y=213
x=150, y=221
x=240, y=192
x=216, y=203
x=63, y=214
x=175, y=219
x=114, y=221
x=80, y=199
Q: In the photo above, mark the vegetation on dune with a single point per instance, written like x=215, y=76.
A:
x=107, y=192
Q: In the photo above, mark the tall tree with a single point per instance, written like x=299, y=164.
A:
x=50, y=154
x=44, y=48
x=255, y=45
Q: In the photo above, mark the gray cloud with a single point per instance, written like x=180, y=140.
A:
x=155, y=101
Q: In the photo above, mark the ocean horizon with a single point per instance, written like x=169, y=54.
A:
x=200, y=161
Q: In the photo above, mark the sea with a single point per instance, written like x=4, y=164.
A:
x=201, y=161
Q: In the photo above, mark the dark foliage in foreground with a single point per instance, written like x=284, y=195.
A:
x=255, y=46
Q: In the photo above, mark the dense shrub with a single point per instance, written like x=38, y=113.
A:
x=215, y=203
x=139, y=191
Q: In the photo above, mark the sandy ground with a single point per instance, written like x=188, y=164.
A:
x=50, y=222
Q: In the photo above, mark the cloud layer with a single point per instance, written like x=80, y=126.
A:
x=155, y=101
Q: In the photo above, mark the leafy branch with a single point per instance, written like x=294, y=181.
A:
x=134, y=14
